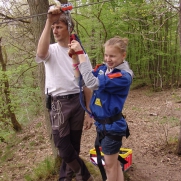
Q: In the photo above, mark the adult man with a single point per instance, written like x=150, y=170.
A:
x=66, y=113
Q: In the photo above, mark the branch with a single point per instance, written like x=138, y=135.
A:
x=162, y=24
x=172, y=5
x=23, y=73
x=82, y=27
x=5, y=122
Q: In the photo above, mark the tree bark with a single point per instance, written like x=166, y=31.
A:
x=178, y=151
x=63, y=1
x=37, y=24
x=180, y=23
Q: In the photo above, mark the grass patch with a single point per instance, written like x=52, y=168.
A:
x=33, y=143
x=173, y=141
x=8, y=151
x=138, y=83
x=4, y=135
x=5, y=177
x=126, y=176
x=8, y=155
x=94, y=170
x=44, y=170
x=38, y=125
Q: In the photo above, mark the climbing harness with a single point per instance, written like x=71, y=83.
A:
x=101, y=135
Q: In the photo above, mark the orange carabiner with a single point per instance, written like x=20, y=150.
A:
x=66, y=7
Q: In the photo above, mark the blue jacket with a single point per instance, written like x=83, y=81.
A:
x=110, y=97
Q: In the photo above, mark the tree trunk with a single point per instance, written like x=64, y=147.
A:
x=179, y=139
x=63, y=1
x=178, y=151
x=180, y=23
x=38, y=23
x=7, y=93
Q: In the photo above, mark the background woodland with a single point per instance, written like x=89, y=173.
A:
x=154, y=53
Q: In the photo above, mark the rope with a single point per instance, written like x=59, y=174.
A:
x=36, y=15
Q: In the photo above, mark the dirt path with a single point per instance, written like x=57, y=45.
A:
x=150, y=116
x=153, y=120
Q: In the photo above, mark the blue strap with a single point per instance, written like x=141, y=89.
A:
x=80, y=83
x=77, y=38
x=80, y=97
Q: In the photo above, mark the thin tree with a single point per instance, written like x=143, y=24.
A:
x=6, y=91
x=178, y=151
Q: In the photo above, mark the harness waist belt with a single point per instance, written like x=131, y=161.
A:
x=69, y=96
x=110, y=120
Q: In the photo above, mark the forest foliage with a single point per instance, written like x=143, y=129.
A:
x=153, y=52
